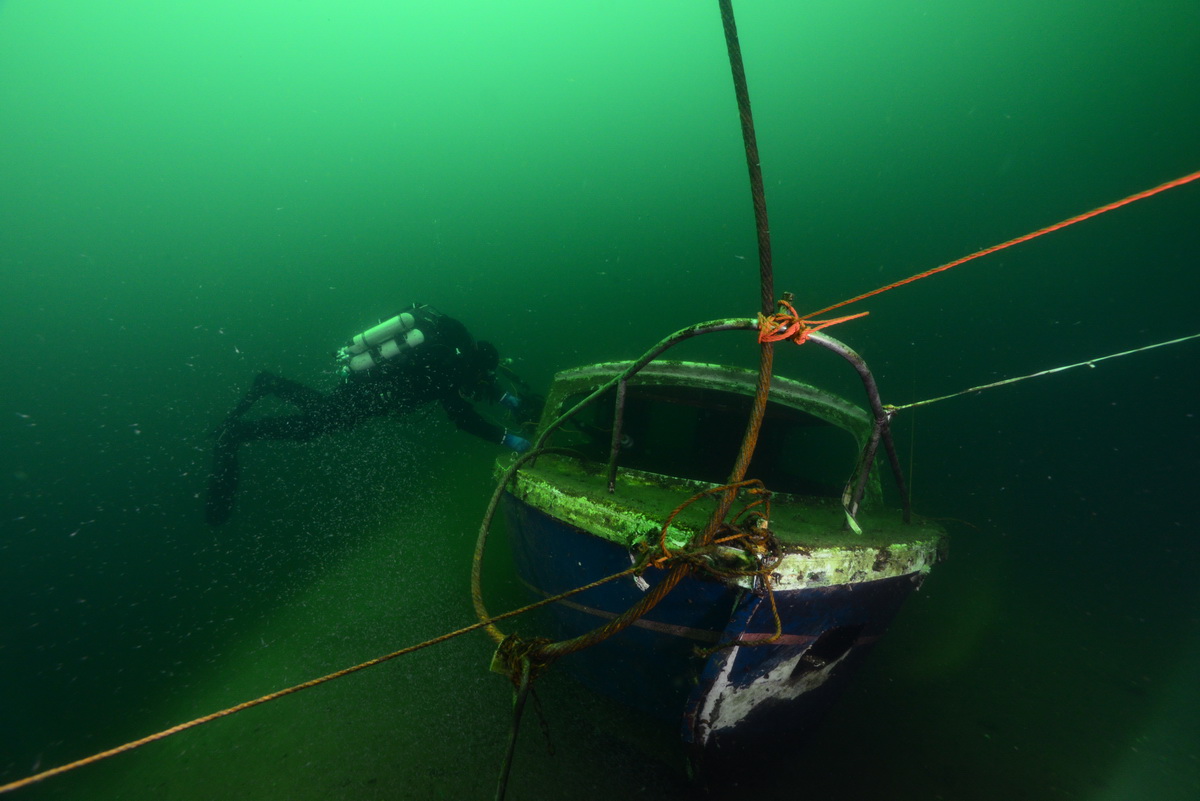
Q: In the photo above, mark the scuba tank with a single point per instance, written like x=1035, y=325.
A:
x=380, y=344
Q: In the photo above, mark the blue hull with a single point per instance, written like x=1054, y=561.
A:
x=725, y=703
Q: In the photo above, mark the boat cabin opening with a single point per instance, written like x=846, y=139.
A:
x=694, y=431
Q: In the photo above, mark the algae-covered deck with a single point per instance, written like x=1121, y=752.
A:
x=819, y=548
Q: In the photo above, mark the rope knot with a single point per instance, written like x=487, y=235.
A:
x=786, y=323
x=514, y=652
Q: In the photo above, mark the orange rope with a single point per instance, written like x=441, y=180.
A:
x=1071, y=221
x=780, y=326
x=665, y=553
x=191, y=724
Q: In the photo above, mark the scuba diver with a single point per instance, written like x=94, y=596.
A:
x=417, y=357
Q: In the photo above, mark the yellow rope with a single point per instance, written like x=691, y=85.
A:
x=1088, y=363
x=191, y=724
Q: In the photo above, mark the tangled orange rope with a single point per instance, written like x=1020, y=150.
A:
x=789, y=325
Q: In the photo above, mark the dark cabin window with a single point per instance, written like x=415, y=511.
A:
x=695, y=433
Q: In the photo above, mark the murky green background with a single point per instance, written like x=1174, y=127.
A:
x=190, y=192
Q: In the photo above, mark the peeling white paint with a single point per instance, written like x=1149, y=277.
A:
x=704, y=723
x=728, y=705
x=828, y=567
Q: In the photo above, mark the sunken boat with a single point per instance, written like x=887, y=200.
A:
x=745, y=653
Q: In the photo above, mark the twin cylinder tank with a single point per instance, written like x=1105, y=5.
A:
x=382, y=343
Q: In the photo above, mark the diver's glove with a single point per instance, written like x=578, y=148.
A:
x=518, y=444
x=510, y=400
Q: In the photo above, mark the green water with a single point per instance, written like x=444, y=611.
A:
x=190, y=192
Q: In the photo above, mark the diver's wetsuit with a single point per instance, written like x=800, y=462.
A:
x=443, y=368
